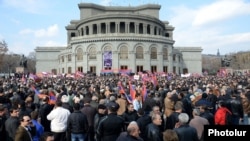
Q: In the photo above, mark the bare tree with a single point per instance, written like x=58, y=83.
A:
x=31, y=66
x=3, y=50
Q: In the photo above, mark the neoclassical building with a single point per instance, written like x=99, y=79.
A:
x=107, y=38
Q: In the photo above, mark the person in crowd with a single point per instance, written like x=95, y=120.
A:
x=130, y=114
x=94, y=102
x=12, y=123
x=77, y=124
x=153, y=131
x=246, y=106
x=206, y=113
x=65, y=102
x=173, y=118
x=220, y=115
x=111, y=125
x=90, y=113
x=22, y=108
x=203, y=101
x=168, y=105
x=212, y=98
x=149, y=103
x=25, y=130
x=142, y=121
x=38, y=126
x=184, y=131
x=170, y=135
x=235, y=106
x=101, y=112
x=47, y=136
x=132, y=133
x=137, y=102
x=59, y=118
x=121, y=100
x=198, y=123
x=44, y=110
x=3, y=118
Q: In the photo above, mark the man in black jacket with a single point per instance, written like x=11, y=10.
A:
x=44, y=110
x=111, y=125
x=153, y=131
x=183, y=130
x=77, y=125
x=12, y=123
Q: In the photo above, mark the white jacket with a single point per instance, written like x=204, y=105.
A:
x=58, y=117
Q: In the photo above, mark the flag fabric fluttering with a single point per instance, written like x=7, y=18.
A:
x=122, y=91
x=52, y=98
x=144, y=92
x=132, y=90
x=35, y=90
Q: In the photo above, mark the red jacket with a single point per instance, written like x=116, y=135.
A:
x=220, y=116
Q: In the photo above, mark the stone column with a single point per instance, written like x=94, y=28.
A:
x=147, y=58
x=160, y=60
x=115, y=62
x=99, y=65
x=170, y=58
x=85, y=64
x=144, y=29
x=132, y=59
x=107, y=28
x=117, y=27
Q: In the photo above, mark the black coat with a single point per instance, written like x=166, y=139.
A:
x=186, y=133
x=142, y=122
x=77, y=123
x=110, y=127
x=153, y=133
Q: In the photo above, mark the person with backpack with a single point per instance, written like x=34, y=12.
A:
x=223, y=116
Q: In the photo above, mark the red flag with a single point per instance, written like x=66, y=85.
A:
x=132, y=90
x=144, y=92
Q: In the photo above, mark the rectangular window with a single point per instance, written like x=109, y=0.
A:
x=139, y=68
x=69, y=57
x=165, y=69
x=80, y=69
x=174, y=57
x=93, y=69
x=124, y=67
x=62, y=58
x=69, y=70
x=153, y=69
x=174, y=69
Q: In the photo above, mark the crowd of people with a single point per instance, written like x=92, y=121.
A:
x=119, y=107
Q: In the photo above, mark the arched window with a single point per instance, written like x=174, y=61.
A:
x=92, y=53
x=165, y=53
x=153, y=54
x=139, y=52
x=79, y=54
x=124, y=52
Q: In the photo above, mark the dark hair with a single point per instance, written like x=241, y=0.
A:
x=113, y=107
x=34, y=115
x=76, y=106
x=45, y=135
x=58, y=102
x=23, y=115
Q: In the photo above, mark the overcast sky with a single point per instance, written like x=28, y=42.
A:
x=222, y=25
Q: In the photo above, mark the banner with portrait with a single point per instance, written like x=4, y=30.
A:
x=107, y=59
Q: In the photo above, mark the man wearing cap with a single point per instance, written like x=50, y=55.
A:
x=111, y=125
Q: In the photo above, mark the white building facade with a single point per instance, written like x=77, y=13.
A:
x=119, y=38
